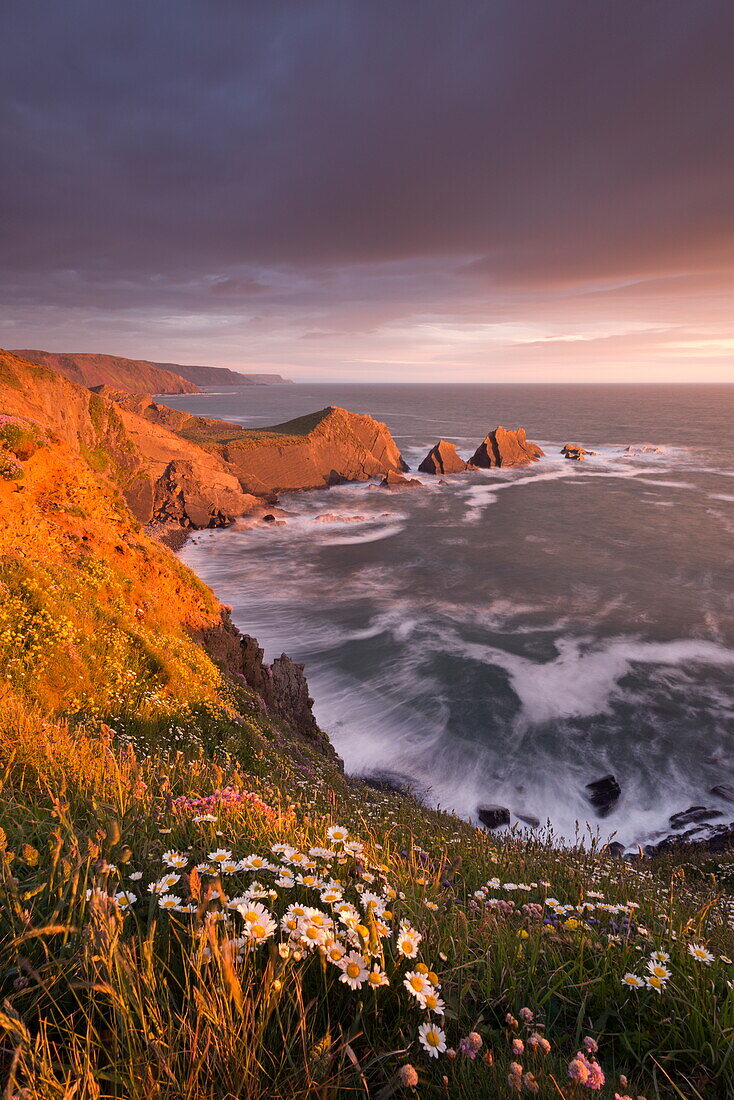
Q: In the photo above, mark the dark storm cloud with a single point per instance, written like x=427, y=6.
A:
x=542, y=142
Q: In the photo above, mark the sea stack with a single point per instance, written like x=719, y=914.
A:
x=506, y=447
x=443, y=459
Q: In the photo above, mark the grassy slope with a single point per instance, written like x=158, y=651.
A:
x=110, y=712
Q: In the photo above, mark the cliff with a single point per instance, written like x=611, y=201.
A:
x=311, y=452
x=133, y=375
x=221, y=376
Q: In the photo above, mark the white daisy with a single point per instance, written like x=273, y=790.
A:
x=432, y=1039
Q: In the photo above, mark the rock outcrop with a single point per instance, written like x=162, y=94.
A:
x=493, y=817
x=133, y=375
x=181, y=496
x=505, y=447
x=643, y=449
x=393, y=480
x=604, y=794
x=575, y=451
x=443, y=459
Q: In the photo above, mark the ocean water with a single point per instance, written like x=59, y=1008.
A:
x=512, y=635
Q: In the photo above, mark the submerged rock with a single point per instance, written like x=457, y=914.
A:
x=394, y=480
x=527, y=819
x=493, y=816
x=575, y=451
x=723, y=790
x=643, y=449
x=604, y=794
x=506, y=447
x=443, y=459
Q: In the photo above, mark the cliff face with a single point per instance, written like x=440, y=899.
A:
x=221, y=376
x=162, y=477
x=133, y=375
x=96, y=618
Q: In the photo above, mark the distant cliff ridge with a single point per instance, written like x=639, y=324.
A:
x=133, y=375
x=222, y=376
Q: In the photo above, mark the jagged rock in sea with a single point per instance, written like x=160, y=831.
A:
x=527, y=819
x=492, y=817
x=505, y=447
x=643, y=449
x=604, y=794
x=443, y=459
x=575, y=451
x=182, y=496
x=701, y=838
x=723, y=790
x=694, y=815
x=393, y=480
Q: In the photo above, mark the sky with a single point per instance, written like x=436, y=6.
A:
x=504, y=190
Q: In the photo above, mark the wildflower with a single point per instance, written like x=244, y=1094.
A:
x=539, y=1043
x=577, y=1071
x=220, y=855
x=335, y=951
x=432, y=1039
x=653, y=982
x=417, y=983
x=163, y=884
x=633, y=981
x=699, y=952
x=354, y=969
x=377, y=977
x=525, y=1015
x=353, y=846
x=331, y=895
x=260, y=930
x=511, y=1021
x=135, y=876
x=658, y=971
x=256, y=863
x=661, y=957
x=470, y=1045
x=202, y=818
x=229, y=867
x=514, y=1077
x=125, y=899
x=431, y=905
x=590, y=1045
x=169, y=901
x=518, y=1047
x=174, y=859
x=408, y=941
x=337, y=834
x=431, y=1002
x=253, y=912
x=407, y=1077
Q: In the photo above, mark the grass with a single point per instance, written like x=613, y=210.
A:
x=126, y=755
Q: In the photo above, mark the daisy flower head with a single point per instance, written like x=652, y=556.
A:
x=354, y=970
x=169, y=901
x=658, y=971
x=408, y=941
x=331, y=895
x=229, y=867
x=431, y=1002
x=135, y=876
x=174, y=859
x=417, y=983
x=256, y=863
x=377, y=977
x=163, y=884
x=260, y=930
x=653, y=982
x=633, y=981
x=253, y=912
x=335, y=952
x=661, y=957
x=220, y=855
x=125, y=898
x=700, y=953
x=337, y=834
x=355, y=847
x=432, y=1039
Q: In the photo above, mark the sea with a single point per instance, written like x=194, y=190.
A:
x=508, y=636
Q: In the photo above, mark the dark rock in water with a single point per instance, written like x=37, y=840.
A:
x=442, y=459
x=723, y=790
x=706, y=838
x=505, y=447
x=604, y=794
x=390, y=782
x=644, y=449
x=692, y=816
x=527, y=819
x=493, y=816
x=394, y=480
x=615, y=848
x=269, y=518
x=575, y=451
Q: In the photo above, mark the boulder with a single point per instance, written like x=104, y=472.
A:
x=704, y=838
x=187, y=495
x=604, y=794
x=505, y=447
x=615, y=849
x=394, y=480
x=694, y=815
x=527, y=819
x=575, y=451
x=390, y=782
x=493, y=816
x=723, y=790
x=443, y=459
